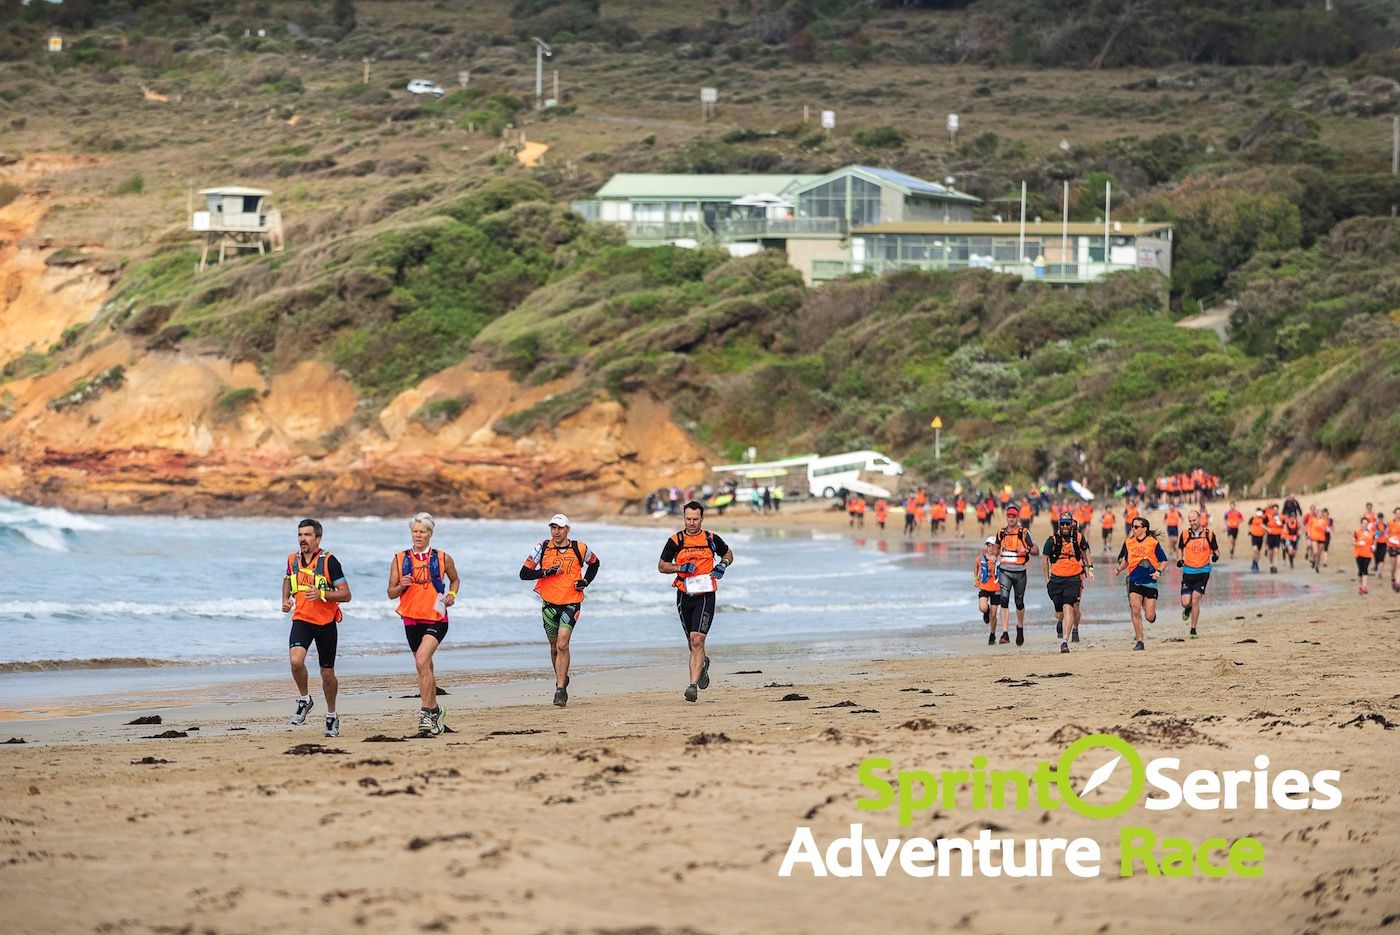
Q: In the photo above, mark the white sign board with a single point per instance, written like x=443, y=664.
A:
x=952, y=123
x=828, y=120
x=55, y=43
x=709, y=95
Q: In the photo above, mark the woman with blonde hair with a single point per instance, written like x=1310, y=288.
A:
x=425, y=582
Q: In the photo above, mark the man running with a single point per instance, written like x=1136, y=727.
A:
x=1257, y=530
x=1198, y=549
x=425, y=582
x=909, y=515
x=313, y=588
x=1273, y=527
x=690, y=555
x=1233, y=518
x=1292, y=530
x=1016, y=548
x=1066, y=560
x=1144, y=559
x=1173, y=521
x=561, y=568
x=1392, y=547
x=1106, y=524
x=882, y=513
x=984, y=575
x=959, y=508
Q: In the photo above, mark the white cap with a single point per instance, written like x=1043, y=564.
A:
x=991, y=540
x=558, y=519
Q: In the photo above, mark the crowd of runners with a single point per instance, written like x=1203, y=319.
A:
x=425, y=581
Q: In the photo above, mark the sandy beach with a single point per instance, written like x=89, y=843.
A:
x=632, y=811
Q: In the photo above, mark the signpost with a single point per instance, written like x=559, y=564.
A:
x=937, y=426
x=55, y=43
x=953, y=130
x=709, y=97
x=828, y=121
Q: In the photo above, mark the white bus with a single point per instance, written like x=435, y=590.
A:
x=827, y=475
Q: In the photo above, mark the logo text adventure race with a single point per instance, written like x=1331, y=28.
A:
x=1158, y=785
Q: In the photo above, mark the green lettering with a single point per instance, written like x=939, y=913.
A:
x=1247, y=849
x=1017, y=780
x=884, y=791
x=1137, y=844
x=908, y=803
x=1045, y=784
x=1203, y=861
x=1177, y=858
x=952, y=778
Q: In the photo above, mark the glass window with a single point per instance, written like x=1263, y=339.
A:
x=1095, y=249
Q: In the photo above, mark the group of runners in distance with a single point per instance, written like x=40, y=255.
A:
x=425, y=582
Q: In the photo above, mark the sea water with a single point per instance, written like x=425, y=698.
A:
x=135, y=592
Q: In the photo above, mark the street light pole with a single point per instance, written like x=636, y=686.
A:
x=541, y=52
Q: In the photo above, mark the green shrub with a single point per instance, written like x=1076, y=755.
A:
x=882, y=137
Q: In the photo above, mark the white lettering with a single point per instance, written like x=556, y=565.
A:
x=1158, y=778
x=803, y=849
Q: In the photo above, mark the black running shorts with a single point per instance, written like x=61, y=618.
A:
x=324, y=636
x=1232, y=532
x=1193, y=583
x=1274, y=540
x=1143, y=591
x=1012, y=582
x=1363, y=566
x=416, y=631
x=1064, y=591
x=1256, y=541
x=993, y=597
x=697, y=611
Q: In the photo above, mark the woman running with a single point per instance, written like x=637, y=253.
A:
x=1143, y=558
x=425, y=582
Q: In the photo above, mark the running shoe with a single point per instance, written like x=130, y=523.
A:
x=425, y=724
x=1064, y=647
x=1074, y=635
x=992, y=638
x=1138, y=645
x=332, y=725
x=1185, y=614
x=1193, y=633
x=1005, y=637
x=704, y=682
x=439, y=714
x=1020, y=636
x=561, y=698
x=1059, y=630
x=304, y=706
x=692, y=692
x=1254, y=567
x=1273, y=569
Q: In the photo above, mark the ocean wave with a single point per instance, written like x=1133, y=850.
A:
x=107, y=662
x=46, y=528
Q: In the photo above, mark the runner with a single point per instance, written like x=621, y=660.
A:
x=938, y=515
x=1016, y=547
x=1066, y=560
x=1173, y=521
x=1392, y=547
x=882, y=512
x=1233, y=518
x=1198, y=549
x=561, y=569
x=909, y=515
x=984, y=575
x=1292, y=530
x=1362, y=548
x=1106, y=527
x=860, y=510
x=983, y=517
x=1378, y=548
x=1144, y=559
x=959, y=508
x=313, y=588
x=425, y=581
x=1316, y=525
x=1256, y=538
x=1327, y=535
x=690, y=556
x=1273, y=527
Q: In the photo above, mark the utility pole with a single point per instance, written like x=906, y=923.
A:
x=541, y=51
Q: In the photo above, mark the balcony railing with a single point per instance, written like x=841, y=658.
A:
x=757, y=228
x=1052, y=273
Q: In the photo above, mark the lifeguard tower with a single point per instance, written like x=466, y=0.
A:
x=236, y=218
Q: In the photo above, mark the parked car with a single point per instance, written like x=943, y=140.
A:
x=419, y=86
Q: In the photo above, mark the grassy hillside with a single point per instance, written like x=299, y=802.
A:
x=415, y=240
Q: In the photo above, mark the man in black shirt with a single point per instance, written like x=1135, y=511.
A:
x=691, y=556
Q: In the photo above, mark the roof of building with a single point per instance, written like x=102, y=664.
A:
x=910, y=185
x=234, y=190
x=709, y=187
x=1013, y=228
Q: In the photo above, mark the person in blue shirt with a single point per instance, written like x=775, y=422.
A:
x=1143, y=558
